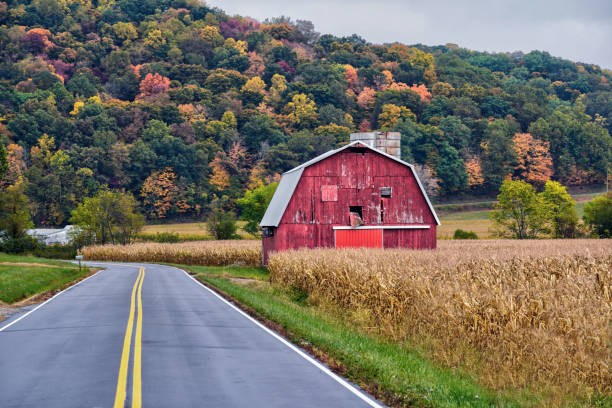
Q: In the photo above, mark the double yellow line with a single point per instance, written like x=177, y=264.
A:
x=120, y=394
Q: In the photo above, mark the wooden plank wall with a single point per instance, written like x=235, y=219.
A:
x=308, y=220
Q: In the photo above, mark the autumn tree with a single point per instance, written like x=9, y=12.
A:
x=153, y=84
x=534, y=163
x=159, y=192
x=366, y=98
x=391, y=114
x=474, y=172
x=16, y=164
x=302, y=111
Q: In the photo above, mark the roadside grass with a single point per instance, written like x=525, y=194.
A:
x=399, y=374
x=24, y=276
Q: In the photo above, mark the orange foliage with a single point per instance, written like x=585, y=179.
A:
x=220, y=177
x=422, y=91
x=388, y=79
x=365, y=126
x=16, y=164
x=366, y=98
x=136, y=69
x=474, y=171
x=42, y=35
x=257, y=67
x=533, y=156
x=350, y=74
x=153, y=84
x=159, y=191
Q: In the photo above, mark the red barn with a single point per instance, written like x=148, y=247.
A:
x=355, y=196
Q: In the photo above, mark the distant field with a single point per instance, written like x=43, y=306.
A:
x=191, y=229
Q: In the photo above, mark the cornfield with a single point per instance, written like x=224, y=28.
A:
x=516, y=313
x=208, y=253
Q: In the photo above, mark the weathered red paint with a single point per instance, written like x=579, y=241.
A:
x=358, y=174
x=359, y=238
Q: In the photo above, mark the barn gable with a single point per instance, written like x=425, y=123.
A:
x=291, y=179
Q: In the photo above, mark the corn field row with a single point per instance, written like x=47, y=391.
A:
x=516, y=313
x=208, y=253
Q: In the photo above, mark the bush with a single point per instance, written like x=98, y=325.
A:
x=222, y=225
x=461, y=234
x=598, y=215
x=55, y=251
x=24, y=243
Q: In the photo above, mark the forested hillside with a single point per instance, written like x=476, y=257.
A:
x=184, y=106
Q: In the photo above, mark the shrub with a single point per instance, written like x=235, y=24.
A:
x=598, y=215
x=461, y=234
x=24, y=243
x=55, y=251
x=222, y=225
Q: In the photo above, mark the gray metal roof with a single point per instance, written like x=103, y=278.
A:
x=290, y=179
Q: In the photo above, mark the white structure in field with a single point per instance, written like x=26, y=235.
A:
x=52, y=236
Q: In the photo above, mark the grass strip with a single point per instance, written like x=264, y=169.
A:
x=18, y=282
x=395, y=373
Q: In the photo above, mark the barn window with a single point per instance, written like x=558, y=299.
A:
x=356, y=211
x=267, y=232
x=385, y=192
x=329, y=193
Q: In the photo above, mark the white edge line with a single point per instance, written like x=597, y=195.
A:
x=45, y=302
x=302, y=354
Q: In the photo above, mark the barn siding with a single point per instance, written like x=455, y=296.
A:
x=308, y=220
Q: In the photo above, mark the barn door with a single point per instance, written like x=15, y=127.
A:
x=359, y=238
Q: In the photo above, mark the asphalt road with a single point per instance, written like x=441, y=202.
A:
x=83, y=349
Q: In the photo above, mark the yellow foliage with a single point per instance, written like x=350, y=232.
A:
x=77, y=106
x=391, y=114
x=255, y=85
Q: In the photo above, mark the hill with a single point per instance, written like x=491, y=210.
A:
x=187, y=107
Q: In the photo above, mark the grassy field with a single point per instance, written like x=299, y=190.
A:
x=398, y=373
x=191, y=230
x=24, y=276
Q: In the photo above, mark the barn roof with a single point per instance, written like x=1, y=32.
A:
x=291, y=178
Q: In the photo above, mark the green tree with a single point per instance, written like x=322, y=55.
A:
x=221, y=224
x=561, y=209
x=108, y=217
x=14, y=213
x=598, y=215
x=15, y=220
x=519, y=212
x=254, y=205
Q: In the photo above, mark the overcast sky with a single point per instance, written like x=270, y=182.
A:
x=577, y=30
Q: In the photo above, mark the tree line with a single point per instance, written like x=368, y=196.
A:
x=187, y=108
